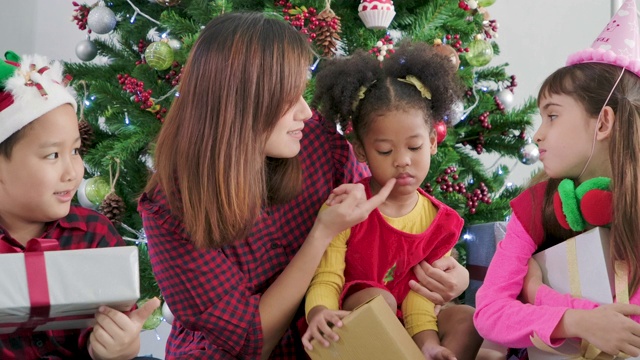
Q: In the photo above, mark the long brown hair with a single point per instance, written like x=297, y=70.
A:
x=243, y=73
x=590, y=84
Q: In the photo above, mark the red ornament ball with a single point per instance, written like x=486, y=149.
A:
x=441, y=131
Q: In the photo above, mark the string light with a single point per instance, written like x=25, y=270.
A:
x=141, y=237
x=314, y=65
x=137, y=11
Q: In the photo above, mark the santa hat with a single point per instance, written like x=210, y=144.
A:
x=618, y=44
x=29, y=88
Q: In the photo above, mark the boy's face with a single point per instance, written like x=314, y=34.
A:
x=45, y=169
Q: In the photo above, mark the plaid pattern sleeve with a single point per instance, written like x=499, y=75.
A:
x=214, y=294
x=80, y=229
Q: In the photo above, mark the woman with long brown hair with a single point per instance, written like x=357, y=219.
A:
x=231, y=212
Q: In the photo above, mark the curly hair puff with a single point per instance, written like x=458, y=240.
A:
x=339, y=83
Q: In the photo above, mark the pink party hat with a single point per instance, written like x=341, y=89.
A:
x=618, y=44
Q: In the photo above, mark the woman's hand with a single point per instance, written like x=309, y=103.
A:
x=532, y=282
x=441, y=282
x=349, y=206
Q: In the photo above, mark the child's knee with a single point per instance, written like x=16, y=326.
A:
x=390, y=299
x=360, y=297
x=461, y=315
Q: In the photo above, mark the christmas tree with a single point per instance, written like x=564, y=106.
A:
x=125, y=100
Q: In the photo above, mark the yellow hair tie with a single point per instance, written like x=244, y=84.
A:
x=410, y=79
x=361, y=92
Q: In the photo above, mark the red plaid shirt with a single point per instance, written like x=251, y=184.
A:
x=80, y=229
x=214, y=294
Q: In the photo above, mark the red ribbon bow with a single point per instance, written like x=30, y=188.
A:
x=36, y=276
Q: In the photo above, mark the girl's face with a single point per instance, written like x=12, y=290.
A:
x=284, y=140
x=565, y=138
x=45, y=169
x=398, y=144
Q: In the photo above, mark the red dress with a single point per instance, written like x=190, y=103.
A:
x=379, y=255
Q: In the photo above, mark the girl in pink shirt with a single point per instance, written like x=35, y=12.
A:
x=590, y=128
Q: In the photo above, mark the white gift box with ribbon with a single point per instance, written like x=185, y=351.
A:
x=78, y=283
x=580, y=266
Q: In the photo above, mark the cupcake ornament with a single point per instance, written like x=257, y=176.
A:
x=376, y=14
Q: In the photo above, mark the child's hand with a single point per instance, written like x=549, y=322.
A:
x=438, y=352
x=607, y=328
x=532, y=282
x=321, y=320
x=116, y=335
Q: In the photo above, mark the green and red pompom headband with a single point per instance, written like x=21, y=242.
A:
x=590, y=203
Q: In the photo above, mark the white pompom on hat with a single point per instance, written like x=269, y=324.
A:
x=618, y=44
x=29, y=88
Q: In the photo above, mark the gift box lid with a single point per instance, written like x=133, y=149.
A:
x=371, y=331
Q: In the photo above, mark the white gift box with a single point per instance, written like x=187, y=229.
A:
x=586, y=259
x=79, y=282
x=593, y=266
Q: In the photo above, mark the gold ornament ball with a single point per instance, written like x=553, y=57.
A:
x=485, y=13
x=450, y=53
x=485, y=3
x=480, y=53
x=159, y=55
x=154, y=320
x=95, y=189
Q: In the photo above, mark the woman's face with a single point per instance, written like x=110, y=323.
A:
x=284, y=141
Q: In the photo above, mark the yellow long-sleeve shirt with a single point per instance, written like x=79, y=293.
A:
x=328, y=281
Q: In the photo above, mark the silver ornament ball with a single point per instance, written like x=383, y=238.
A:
x=101, y=20
x=529, y=154
x=167, y=314
x=506, y=98
x=455, y=113
x=175, y=44
x=86, y=50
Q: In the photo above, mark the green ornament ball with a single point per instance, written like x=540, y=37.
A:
x=480, y=53
x=96, y=189
x=154, y=320
x=159, y=55
x=486, y=3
